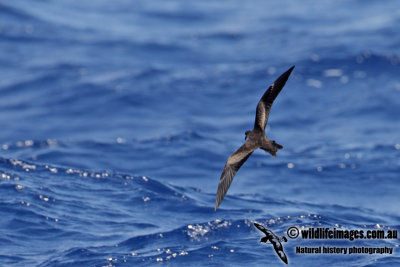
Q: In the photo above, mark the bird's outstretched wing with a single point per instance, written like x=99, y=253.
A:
x=234, y=162
x=265, y=103
x=261, y=228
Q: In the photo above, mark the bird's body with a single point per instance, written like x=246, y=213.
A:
x=255, y=138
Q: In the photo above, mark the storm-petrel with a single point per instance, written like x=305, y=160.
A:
x=275, y=241
x=254, y=139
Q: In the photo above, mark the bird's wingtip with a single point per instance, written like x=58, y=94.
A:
x=283, y=78
x=291, y=68
x=216, y=206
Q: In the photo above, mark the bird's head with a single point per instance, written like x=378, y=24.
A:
x=246, y=133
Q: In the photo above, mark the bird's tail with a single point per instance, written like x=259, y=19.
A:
x=276, y=145
x=272, y=148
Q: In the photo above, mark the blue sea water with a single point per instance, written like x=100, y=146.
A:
x=117, y=118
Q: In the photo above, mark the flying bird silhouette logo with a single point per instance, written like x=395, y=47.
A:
x=274, y=240
x=255, y=138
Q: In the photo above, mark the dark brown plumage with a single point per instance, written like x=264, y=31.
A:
x=254, y=139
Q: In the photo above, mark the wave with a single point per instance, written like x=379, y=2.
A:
x=16, y=13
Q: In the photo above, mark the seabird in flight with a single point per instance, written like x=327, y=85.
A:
x=255, y=138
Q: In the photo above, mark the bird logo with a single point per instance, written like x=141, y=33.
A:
x=274, y=240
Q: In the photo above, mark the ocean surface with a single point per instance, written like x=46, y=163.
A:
x=117, y=118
